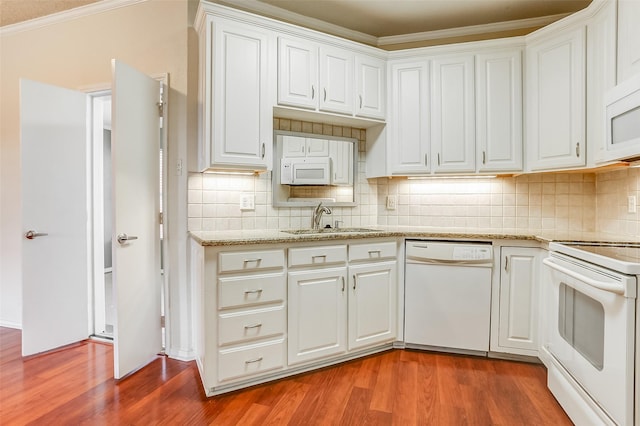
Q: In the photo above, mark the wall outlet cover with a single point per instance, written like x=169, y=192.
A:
x=392, y=202
x=632, y=206
x=247, y=202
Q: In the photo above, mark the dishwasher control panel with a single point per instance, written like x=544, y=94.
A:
x=449, y=252
x=471, y=253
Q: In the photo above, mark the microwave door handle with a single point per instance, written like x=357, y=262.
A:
x=613, y=288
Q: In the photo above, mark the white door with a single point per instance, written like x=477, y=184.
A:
x=54, y=201
x=136, y=200
x=297, y=73
x=336, y=80
x=371, y=86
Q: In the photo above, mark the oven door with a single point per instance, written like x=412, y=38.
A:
x=591, y=331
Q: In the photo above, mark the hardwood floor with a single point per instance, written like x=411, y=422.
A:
x=75, y=386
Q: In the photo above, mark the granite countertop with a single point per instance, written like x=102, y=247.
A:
x=272, y=236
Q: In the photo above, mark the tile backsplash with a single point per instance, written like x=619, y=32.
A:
x=535, y=202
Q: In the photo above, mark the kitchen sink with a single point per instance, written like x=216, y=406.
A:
x=327, y=231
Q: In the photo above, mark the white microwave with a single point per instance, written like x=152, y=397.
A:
x=622, y=108
x=305, y=171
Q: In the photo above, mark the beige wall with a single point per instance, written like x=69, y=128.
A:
x=150, y=36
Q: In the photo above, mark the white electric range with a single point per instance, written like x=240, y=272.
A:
x=591, y=331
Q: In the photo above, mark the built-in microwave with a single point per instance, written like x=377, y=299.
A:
x=305, y=171
x=622, y=107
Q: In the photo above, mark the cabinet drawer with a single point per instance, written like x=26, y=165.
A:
x=315, y=256
x=237, y=363
x=251, y=290
x=250, y=260
x=251, y=325
x=372, y=251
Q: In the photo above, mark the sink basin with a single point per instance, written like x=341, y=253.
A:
x=327, y=231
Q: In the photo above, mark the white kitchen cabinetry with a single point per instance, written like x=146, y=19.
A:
x=556, y=98
x=237, y=67
x=336, y=80
x=371, y=87
x=499, y=111
x=409, y=131
x=453, y=114
x=297, y=146
x=517, y=325
x=372, y=294
x=628, y=39
x=341, y=155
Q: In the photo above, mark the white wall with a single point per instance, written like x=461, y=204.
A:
x=151, y=36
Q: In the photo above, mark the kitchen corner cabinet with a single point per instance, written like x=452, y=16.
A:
x=453, y=114
x=555, y=82
x=499, y=136
x=628, y=39
x=517, y=325
x=409, y=131
x=236, y=125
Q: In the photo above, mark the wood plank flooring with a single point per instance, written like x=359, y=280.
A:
x=399, y=387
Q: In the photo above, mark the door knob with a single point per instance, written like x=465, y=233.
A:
x=31, y=234
x=123, y=238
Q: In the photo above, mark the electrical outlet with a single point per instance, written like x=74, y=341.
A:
x=247, y=202
x=179, y=167
x=631, y=204
x=392, y=202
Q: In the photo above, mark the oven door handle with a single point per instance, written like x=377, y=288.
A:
x=613, y=288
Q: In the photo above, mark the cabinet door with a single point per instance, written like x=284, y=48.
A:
x=297, y=73
x=341, y=154
x=372, y=304
x=336, y=80
x=518, y=323
x=317, y=314
x=294, y=146
x=317, y=147
x=242, y=111
x=499, y=111
x=409, y=136
x=628, y=39
x=371, y=85
x=556, y=101
x=453, y=114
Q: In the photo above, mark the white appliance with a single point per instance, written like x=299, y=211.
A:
x=448, y=296
x=305, y=171
x=622, y=105
x=591, y=331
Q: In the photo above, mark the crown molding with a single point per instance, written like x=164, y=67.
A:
x=67, y=15
x=471, y=30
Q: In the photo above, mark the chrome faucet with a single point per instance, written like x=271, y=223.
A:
x=317, y=215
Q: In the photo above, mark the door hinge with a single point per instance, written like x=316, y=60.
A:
x=162, y=321
x=161, y=218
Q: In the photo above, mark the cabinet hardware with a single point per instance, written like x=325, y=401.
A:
x=323, y=256
x=438, y=159
x=251, y=361
x=374, y=252
x=354, y=281
x=253, y=326
x=360, y=96
x=30, y=235
x=578, y=149
x=342, y=284
x=313, y=92
x=325, y=95
x=122, y=238
x=426, y=159
x=264, y=150
x=256, y=290
x=484, y=157
x=506, y=263
x=257, y=260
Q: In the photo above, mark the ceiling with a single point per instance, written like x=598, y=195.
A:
x=362, y=20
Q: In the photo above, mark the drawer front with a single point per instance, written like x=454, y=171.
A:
x=317, y=256
x=251, y=325
x=251, y=290
x=373, y=251
x=238, y=363
x=250, y=260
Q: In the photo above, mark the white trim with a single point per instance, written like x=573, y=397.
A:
x=11, y=324
x=471, y=30
x=67, y=15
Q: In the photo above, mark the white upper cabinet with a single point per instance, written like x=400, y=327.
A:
x=628, y=39
x=341, y=155
x=237, y=121
x=453, y=114
x=336, y=80
x=499, y=111
x=297, y=146
x=408, y=141
x=371, y=87
x=297, y=73
x=556, y=99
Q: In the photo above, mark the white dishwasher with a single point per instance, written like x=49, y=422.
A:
x=448, y=296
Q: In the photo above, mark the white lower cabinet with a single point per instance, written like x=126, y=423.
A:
x=516, y=328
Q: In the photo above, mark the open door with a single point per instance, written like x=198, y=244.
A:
x=135, y=153
x=55, y=246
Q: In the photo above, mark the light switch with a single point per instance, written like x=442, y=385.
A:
x=247, y=202
x=631, y=204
